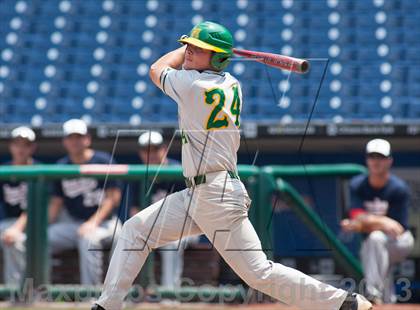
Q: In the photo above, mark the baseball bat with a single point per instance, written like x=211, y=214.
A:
x=276, y=60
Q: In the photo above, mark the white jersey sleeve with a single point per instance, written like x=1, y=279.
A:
x=177, y=83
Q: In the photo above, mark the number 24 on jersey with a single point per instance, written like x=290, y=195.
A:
x=216, y=97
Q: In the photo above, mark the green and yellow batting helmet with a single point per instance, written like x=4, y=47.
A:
x=213, y=37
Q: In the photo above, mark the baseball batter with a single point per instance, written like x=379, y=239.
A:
x=215, y=202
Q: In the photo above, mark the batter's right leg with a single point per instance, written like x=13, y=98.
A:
x=151, y=228
x=220, y=210
x=241, y=249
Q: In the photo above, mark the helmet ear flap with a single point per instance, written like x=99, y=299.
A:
x=219, y=61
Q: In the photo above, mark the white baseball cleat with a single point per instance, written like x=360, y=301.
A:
x=356, y=302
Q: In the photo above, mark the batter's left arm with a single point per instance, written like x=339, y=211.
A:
x=173, y=59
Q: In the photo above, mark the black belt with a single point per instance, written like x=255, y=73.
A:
x=201, y=179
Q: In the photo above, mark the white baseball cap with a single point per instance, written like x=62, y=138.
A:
x=75, y=126
x=24, y=133
x=153, y=138
x=379, y=146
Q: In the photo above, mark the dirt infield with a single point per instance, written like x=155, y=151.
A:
x=197, y=306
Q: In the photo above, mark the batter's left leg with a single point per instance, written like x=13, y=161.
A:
x=163, y=222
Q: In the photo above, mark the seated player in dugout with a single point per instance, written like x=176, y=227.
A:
x=81, y=210
x=153, y=151
x=13, y=200
x=379, y=209
x=209, y=104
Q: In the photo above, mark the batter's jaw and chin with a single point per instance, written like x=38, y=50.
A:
x=189, y=67
x=188, y=64
x=199, y=63
x=185, y=66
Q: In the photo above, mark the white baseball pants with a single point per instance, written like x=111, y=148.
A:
x=219, y=209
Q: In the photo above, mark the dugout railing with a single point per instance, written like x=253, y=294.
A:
x=38, y=177
x=261, y=184
x=274, y=181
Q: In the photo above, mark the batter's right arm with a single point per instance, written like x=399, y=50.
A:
x=173, y=59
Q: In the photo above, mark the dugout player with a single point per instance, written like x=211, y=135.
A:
x=13, y=200
x=379, y=209
x=216, y=202
x=88, y=204
x=152, y=151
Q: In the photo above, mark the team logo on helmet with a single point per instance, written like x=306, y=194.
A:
x=195, y=33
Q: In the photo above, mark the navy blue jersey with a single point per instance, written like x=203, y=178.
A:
x=83, y=195
x=13, y=196
x=159, y=189
x=392, y=200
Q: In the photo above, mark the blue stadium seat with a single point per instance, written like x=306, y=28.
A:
x=394, y=21
x=363, y=6
x=412, y=54
x=23, y=107
x=272, y=23
x=396, y=36
x=125, y=56
x=411, y=21
x=413, y=109
x=255, y=7
x=370, y=73
x=272, y=6
x=410, y=35
x=323, y=109
x=350, y=90
x=412, y=74
x=369, y=90
x=249, y=107
x=267, y=109
x=392, y=5
x=397, y=53
x=399, y=89
x=348, y=53
x=371, y=108
x=347, y=21
x=414, y=91
x=318, y=6
x=409, y=6
x=367, y=53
